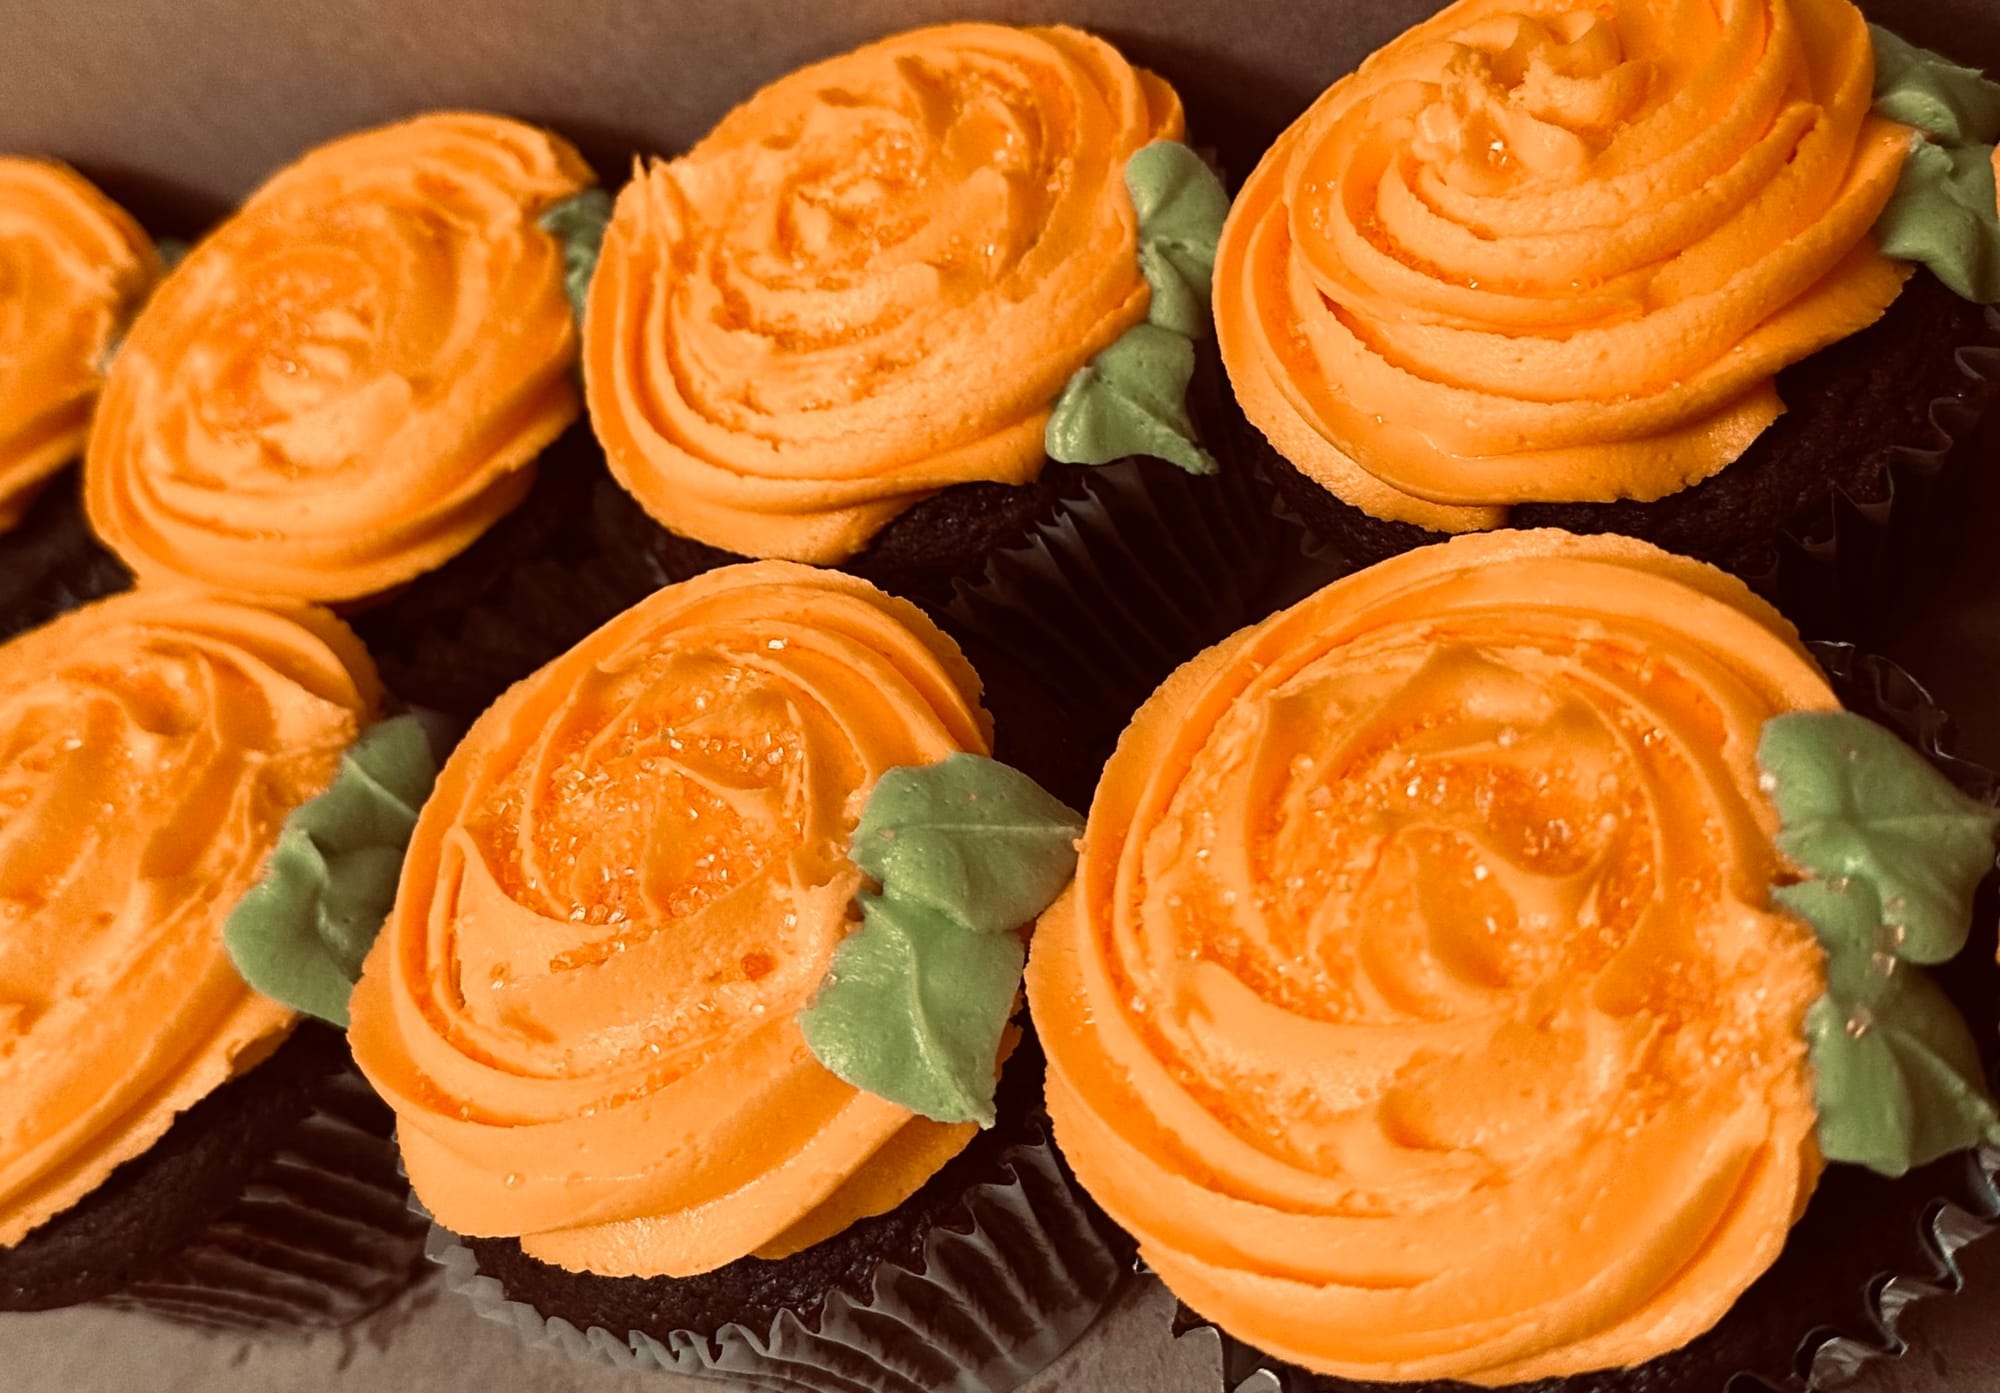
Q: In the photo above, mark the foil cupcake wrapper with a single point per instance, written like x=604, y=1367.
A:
x=320, y=1237
x=1868, y=1247
x=998, y=1296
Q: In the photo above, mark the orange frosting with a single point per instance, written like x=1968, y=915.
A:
x=151, y=747
x=349, y=380
x=1420, y=1003
x=631, y=877
x=73, y=267
x=870, y=282
x=1536, y=254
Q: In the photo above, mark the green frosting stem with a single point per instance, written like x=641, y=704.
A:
x=1895, y=853
x=1131, y=399
x=1943, y=214
x=300, y=935
x=579, y=221
x=913, y=1006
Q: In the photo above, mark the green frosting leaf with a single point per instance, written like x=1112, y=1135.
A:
x=1950, y=104
x=579, y=221
x=1846, y=915
x=966, y=851
x=1131, y=399
x=1897, y=853
x=1857, y=802
x=1181, y=207
x=1943, y=214
x=1897, y=1078
x=969, y=838
x=300, y=935
x=913, y=1007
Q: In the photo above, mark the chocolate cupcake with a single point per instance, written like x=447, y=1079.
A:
x=349, y=380
x=75, y=267
x=1471, y=970
x=1615, y=272
x=196, y=837
x=884, y=315
x=697, y=988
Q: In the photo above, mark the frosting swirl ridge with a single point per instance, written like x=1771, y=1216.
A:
x=73, y=267
x=629, y=879
x=871, y=281
x=1530, y=253
x=348, y=381
x=151, y=747
x=1415, y=930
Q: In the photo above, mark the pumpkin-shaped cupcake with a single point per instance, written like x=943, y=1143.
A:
x=349, y=381
x=1470, y=970
x=1609, y=269
x=187, y=784
x=856, y=322
x=697, y=988
x=74, y=267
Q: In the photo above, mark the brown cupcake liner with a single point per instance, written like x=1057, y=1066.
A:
x=532, y=586
x=273, y=1205
x=1841, y=562
x=1845, y=556
x=1022, y=1268
x=1867, y=1249
x=320, y=1237
x=1144, y=569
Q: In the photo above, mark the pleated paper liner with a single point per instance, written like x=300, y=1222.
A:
x=274, y=1206
x=1867, y=1248
x=1014, y=1269
x=1848, y=557
x=1886, y=514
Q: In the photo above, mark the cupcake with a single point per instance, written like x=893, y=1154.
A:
x=349, y=381
x=1470, y=971
x=696, y=991
x=73, y=268
x=1639, y=269
x=177, y=1139
x=885, y=312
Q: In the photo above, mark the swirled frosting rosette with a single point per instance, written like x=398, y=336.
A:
x=347, y=382
x=154, y=745
x=1421, y=1002
x=872, y=281
x=630, y=880
x=73, y=268
x=1533, y=253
